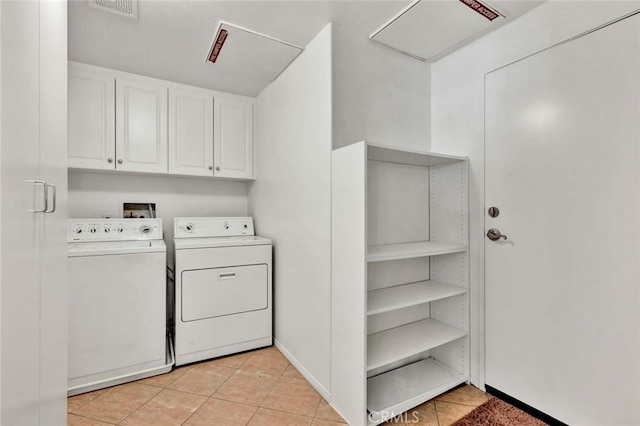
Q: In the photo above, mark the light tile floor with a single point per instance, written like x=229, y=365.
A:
x=258, y=388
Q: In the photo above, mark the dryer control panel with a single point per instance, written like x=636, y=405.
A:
x=79, y=230
x=196, y=227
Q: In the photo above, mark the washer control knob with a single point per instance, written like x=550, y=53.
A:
x=107, y=230
x=145, y=229
x=226, y=225
x=119, y=229
x=93, y=230
x=190, y=227
x=78, y=231
x=245, y=226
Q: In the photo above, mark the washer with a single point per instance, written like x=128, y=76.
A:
x=222, y=288
x=117, y=302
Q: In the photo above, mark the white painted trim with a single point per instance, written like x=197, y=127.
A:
x=393, y=19
x=153, y=81
x=308, y=376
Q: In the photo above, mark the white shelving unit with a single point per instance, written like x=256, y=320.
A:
x=396, y=344
x=406, y=295
x=400, y=279
x=411, y=250
x=400, y=390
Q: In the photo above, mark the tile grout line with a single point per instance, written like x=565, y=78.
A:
x=435, y=408
x=460, y=403
x=195, y=411
x=265, y=398
x=84, y=403
x=145, y=403
x=211, y=396
x=91, y=418
x=222, y=384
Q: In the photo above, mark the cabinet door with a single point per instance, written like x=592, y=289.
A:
x=190, y=133
x=92, y=122
x=141, y=127
x=33, y=125
x=233, y=143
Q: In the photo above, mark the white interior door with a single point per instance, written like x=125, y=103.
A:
x=20, y=301
x=53, y=246
x=562, y=165
x=33, y=257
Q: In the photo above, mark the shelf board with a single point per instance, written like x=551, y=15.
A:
x=403, y=296
x=397, y=391
x=411, y=250
x=391, y=154
x=398, y=343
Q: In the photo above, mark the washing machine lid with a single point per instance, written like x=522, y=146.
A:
x=108, y=248
x=212, y=242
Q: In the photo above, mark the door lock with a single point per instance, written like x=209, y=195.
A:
x=494, y=211
x=494, y=234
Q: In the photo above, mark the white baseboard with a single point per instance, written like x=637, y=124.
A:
x=316, y=385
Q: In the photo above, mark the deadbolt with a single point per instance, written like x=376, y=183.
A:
x=494, y=234
x=494, y=211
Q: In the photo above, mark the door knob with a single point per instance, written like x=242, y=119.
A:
x=494, y=234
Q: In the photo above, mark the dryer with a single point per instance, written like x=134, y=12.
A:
x=223, y=288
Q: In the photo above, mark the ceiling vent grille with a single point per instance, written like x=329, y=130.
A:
x=128, y=8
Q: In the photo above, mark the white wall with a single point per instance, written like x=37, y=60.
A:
x=291, y=203
x=457, y=111
x=379, y=95
x=93, y=194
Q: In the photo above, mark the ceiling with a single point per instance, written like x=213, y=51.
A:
x=170, y=39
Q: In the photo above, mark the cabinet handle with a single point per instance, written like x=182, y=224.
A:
x=119, y=160
x=46, y=195
x=109, y=160
x=218, y=168
x=44, y=191
x=210, y=167
x=229, y=276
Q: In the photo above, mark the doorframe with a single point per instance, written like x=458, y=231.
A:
x=481, y=326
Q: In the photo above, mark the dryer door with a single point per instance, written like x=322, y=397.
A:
x=214, y=292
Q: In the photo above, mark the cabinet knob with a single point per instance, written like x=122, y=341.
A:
x=109, y=160
x=218, y=168
x=210, y=167
x=119, y=160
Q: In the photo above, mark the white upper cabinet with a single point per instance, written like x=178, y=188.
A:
x=126, y=122
x=141, y=127
x=91, y=120
x=233, y=147
x=190, y=132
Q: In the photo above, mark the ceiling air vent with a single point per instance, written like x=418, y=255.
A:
x=128, y=8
